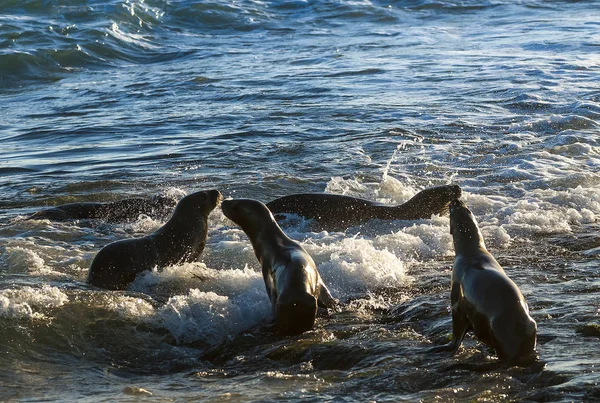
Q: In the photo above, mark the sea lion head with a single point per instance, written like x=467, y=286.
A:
x=463, y=226
x=433, y=200
x=199, y=202
x=249, y=214
x=438, y=198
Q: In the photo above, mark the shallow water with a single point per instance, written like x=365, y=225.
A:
x=376, y=99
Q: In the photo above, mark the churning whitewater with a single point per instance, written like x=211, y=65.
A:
x=121, y=99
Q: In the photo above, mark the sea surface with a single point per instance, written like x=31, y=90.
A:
x=112, y=99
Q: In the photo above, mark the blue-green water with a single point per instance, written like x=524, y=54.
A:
x=103, y=100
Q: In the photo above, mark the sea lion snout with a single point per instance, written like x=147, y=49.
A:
x=455, y=191
x=463, y=226
x=203, y=201
x=246, y=212
x=444, y=192
x=226, y=205
x=230, y=208
x=215, y=196
x=456, y=204
x=205, y=198
x=459, y=215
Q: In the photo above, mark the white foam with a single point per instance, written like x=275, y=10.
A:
x=219, y=304
x=25, y=256
x=427, y=240
x=495, y=236
x=209, y=317
x=144, y=225
x=365, y=306
x=14, y=310
x=131, y=308
x=579, y=198
x=537, y=212
x=174, y=193
x=30, y=303
x=352, y=265
x=540, y=221
x=483, y=204
x=197, y=275
x=547, y=211
x=22, y=260
x=130, y=38
x=148, y=280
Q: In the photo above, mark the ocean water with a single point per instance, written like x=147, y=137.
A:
x=104, y=100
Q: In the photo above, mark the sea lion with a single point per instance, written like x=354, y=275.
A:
x=292, y=280
x=181, y=239
x=337, y=212
x=483, y=298
x=157, y=207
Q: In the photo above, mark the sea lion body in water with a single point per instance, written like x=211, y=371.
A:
x=180, y=240
x=483, y=298
x=337, y=212
x=293, y=283
x=157, y=207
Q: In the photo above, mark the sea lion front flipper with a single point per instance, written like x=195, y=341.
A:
x=460, y=323
x=325, y=299
x=460, y=327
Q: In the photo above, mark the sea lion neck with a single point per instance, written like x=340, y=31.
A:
x=466, y=236
x=469, y=244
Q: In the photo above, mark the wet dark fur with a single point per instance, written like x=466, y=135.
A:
x=181, y=239
x=337, y=212
x=484, y=300
x=293, y=283
x=157, y=207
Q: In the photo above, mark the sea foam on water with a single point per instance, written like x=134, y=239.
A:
x=30, y=303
